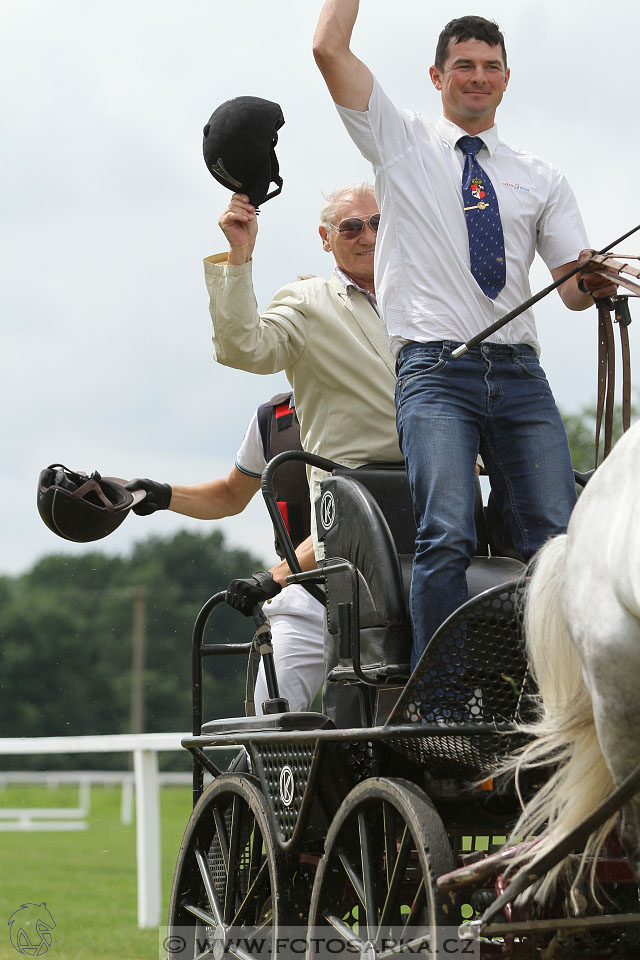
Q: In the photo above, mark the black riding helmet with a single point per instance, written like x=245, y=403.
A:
x=82, y=508
x=239, y=147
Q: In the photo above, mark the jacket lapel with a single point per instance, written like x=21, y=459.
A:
x=367, y=319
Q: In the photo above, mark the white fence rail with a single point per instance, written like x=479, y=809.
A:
x=146, y=780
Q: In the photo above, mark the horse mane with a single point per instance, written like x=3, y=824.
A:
x=563, y=736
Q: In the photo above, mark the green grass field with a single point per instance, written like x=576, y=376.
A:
x=87, y=878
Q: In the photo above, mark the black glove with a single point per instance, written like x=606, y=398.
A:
x=243, y=595
x=158, y=496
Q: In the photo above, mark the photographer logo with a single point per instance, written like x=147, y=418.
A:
x=30, y=929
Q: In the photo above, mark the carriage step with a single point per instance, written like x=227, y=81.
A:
x=276, y=721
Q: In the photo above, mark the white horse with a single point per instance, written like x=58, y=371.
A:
x=582, y=628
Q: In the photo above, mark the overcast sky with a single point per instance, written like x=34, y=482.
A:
x=108, y=210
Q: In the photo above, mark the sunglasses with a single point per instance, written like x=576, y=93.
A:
x=353, y=226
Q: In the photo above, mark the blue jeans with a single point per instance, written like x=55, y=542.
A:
x=493, y=400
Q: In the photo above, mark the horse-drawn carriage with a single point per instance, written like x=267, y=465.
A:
x=386, y=837
x=382, y=839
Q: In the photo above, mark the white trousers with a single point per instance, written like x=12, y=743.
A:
x=297, y=629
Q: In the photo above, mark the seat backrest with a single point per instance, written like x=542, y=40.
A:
x=354, y=527
x=367, y=530
x=366, y=516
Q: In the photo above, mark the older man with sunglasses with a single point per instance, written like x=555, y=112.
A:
x=325, y=334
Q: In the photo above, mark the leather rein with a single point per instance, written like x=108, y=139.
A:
x=617, y=306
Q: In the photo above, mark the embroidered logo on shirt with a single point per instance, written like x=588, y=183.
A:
x=516, y=186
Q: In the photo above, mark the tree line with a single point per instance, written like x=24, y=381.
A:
x=66, y=635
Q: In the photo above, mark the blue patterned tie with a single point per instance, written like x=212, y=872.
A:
x=486, y=240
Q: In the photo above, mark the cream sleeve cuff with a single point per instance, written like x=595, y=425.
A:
x=220, y=260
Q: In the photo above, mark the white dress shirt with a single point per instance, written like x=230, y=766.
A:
x=424, y=284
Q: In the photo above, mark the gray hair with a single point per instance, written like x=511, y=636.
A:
x=357, y=190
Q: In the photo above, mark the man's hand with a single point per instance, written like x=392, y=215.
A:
x=588, y=280
x=240, y=226
x=158, y=496
x=243, y=595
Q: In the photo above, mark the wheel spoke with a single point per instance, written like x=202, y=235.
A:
x=389, y=833
x=345, y=931
x=255, y=856
x=233, y=863
x=419, y=901
x=207, y=953
x=397, y=875
x=368, y=874
x=235, y=950
x=351, y=873
x=249, y=894
x=223, y=840
x=208, y=885
x=265, y=925
x=200, y=914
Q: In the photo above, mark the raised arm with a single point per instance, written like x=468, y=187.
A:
x=349, y=80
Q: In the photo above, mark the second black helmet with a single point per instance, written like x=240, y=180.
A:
x=82, y=508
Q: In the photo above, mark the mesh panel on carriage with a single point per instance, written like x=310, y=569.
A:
x=473, y=672
x=365, y=516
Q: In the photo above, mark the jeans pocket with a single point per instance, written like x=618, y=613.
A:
x=529, y=367
x=419, y=365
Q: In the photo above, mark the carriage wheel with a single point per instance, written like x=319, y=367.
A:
x=375, y=885
x=228, y=875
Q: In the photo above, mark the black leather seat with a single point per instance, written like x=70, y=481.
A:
x=365, y=516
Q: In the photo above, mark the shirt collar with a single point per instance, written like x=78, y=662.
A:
x=352, y=287
x=451, y=133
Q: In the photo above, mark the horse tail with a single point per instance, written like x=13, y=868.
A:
x=564, y=734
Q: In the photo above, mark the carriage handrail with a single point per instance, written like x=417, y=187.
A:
x=199, y=650
x=277, y=519
x=205, y=612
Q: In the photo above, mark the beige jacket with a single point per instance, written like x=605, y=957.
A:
x=333, y=349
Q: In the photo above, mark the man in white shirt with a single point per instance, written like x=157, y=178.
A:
x=462, y=215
